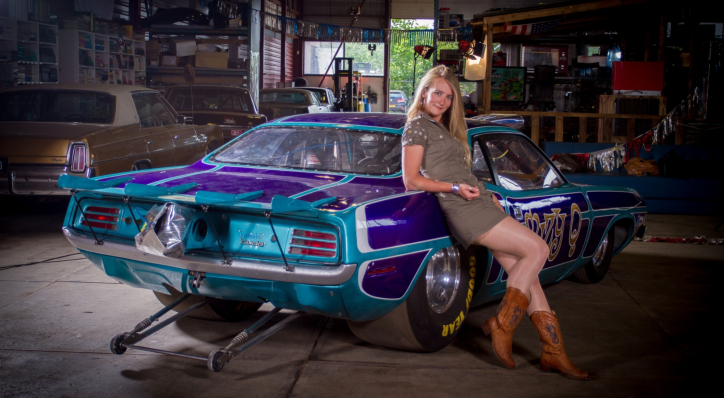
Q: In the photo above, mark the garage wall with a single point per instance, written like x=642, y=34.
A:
x=413, y=9
x=337, y=12
x=373, y=83
x=272, y=59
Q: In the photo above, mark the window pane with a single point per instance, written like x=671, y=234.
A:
x=480, y=166
x=207, y=99
x=152, y=112
x=318, y=55
x=330, y=149
x=520, y=166
x=367, y=62
x=57, y=106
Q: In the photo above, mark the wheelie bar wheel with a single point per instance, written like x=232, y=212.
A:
x=214, y=363
x=116, y=346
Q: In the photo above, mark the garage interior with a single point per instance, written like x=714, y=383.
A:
x=587, y=78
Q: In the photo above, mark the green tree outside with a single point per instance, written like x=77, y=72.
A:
x=402, y=61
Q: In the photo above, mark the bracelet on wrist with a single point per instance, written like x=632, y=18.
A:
x=455, y=189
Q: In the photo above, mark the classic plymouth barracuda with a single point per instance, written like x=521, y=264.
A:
x=230, y=107
x=90, y=130
x=310, y=213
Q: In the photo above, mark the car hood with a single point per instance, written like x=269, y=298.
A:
x=304, y=185
x=52, y=131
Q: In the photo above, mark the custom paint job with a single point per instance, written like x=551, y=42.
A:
x=38, y=152
x=384, y=236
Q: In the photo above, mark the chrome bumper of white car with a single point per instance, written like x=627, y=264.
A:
x=32, y=180
x=310, y=275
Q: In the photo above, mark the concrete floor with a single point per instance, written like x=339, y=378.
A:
x=646, y=330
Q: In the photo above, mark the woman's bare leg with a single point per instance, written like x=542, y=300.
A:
x=538, y=301
x=512, y=238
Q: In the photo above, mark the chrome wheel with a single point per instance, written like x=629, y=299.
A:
x=600, y=254
x=443, y=279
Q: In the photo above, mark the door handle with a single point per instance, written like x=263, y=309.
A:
x=175, y=137
x=518, y=212
x=149, y=142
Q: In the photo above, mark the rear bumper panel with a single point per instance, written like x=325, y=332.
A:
x=32, y=180
x=252, y=269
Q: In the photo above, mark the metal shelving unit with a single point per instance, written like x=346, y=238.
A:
x=28, y=52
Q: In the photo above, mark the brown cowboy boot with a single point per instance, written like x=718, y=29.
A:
x=554, y=354
x=502, y=325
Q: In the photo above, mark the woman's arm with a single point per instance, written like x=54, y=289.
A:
x=414, y=181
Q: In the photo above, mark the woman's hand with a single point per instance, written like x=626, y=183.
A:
x=468, y=192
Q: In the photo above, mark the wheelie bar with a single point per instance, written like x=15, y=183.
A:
x=216, y=359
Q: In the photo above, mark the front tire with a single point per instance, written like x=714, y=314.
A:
x=596, y=269
x=217, y=310
x=434, y=311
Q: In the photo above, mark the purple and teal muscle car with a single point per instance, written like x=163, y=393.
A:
x=310, y=213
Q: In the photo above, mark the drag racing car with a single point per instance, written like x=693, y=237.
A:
x=310, y=213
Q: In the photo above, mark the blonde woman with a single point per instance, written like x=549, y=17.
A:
x=436, y=158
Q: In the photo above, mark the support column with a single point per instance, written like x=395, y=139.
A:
x=386, y=81
x=582, y=129
x=488, y=27
x=283, y=69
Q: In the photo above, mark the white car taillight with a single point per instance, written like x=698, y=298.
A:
x=77, y=155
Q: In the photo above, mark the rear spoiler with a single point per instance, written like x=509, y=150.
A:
x=279, y=203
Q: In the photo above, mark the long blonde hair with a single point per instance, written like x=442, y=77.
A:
x=454, y=117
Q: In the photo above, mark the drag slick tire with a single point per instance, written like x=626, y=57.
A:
x=218, y=310
x=434, y=311
x=596, y=269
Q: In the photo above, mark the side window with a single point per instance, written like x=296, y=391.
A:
x=268, y=97
x=152, y=110
x=520, y=166
x=480, y=166
x=240, y=103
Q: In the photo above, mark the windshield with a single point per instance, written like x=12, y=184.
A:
x=57, y=106
x=287, y=97
x=316, y=148
x=207, y=98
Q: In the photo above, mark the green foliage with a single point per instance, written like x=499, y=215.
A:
x=361, y=55
x=402, y=61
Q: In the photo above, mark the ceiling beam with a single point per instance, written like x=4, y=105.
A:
x=555, y=11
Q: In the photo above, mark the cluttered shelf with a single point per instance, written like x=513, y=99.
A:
x=196, y=30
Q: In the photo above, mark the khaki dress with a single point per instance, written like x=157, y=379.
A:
x=444, y=160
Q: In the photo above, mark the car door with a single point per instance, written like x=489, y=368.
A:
x=315, y=106
x=535, y=194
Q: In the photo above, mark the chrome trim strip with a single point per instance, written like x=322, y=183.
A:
x=310, y=275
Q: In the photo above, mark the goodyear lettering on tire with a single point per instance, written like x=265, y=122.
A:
x=458, y=322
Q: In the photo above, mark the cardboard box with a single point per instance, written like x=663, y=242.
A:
x=169, y=60
x=153, y=47
x=207, y=48
x=183, y=47
x=212, y=60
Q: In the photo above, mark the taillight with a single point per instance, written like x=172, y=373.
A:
x=101, y=217
x=313, y=243
x=236, y=132
x=77, y=157
x=400, y=100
